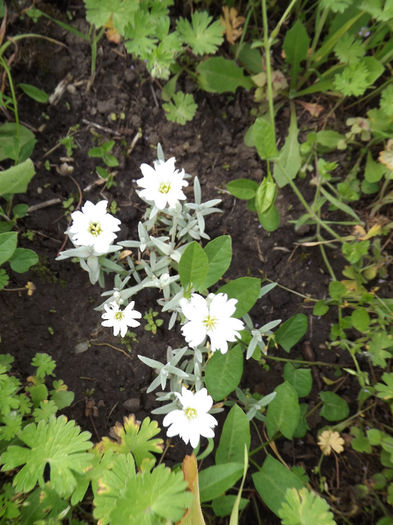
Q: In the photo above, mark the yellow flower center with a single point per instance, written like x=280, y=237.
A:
x=95, y=229
x=209, y=322
x=190, y=413
x=164, y=187
x=119, y=316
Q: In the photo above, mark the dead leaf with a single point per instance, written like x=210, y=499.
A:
x=330, y=440
x=194, y=514
x=232, y=24
x=111, y=33
x=386, y=156
x=313, y=109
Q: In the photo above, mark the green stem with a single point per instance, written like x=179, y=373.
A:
x=301, y=362
x=266, y=44
x=275, y=31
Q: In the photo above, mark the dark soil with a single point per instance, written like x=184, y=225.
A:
x=108, y=379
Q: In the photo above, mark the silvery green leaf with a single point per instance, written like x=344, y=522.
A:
x=131, y=244
x=153, y=212
x=154, y=384
x=110, y=265
x=160, y=153
x=165, y=409
x=268, y=326
x=151, y=362
x=82, y=252
x=161, y=244
x=266, y=289
x=251, y=347
x=197, y=190
x=172, y=320
x=173, y=304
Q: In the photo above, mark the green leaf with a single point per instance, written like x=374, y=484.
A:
x=288, y=163
x=223, y=505
x=220, y=75
x=303, y=507
x=329, y=139
x=16, y=179
x=266, y=195
x=4, y=278
x=334, y=408
x=270, y=220
x=339, y=204
x=153, y=497
x=337, y=290
x=244, y=189
x=283, y=412
x=56, y=442
x=272, y=482
x=290, y=332
x=320, y=308
x=299, y=378
x=374, y=170
x=263, y=138
x=44, y=364
x=23, y=259
x=360, y=319
x=215, y=480
x=122, y=12
x=348, y=49
x=193, y=266
x=385, y=392
x=135, y=438
x=235, y=434
x=219, y=254
x=296, y=44
x=38, y=393
x=8, y=242
x=223, y=372
x=181, y=109
x=246, y=290
x=385, y=102
x=201, y=35
x=35, y=93
x=16, y=143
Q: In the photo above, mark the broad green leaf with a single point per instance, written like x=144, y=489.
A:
x=8, y=242
x=246, y=290
x=374, y=170
x=320, y=308
x=223, y=372
x=98, y=12
x=16, y=178
x=220, y=75
x=270, y=220
x=235, y=434
x=244, y=189
x=360, y=319
x=288, y=163
x=129, y=498
x=23, y=259
x=57, y=443
x=250, y=58
x=296, y=44
x=329, y=139
x=193, y=266
x=133, y=437
x=272, y=482
x=290, y=332
x=215, y=480
x=283, y=412
x=35, y=93
x=334, y=408
x=266, y=195
x=303, y=507
x=16, y=143
x=337, y=290
x=262, y=136
x=223, y=505
x=219, y=254
x=299, y=378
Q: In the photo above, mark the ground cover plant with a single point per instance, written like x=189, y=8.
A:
x=196, y=239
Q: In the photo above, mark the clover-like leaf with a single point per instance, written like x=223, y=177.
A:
x=135, y=438
x=302, y=507
x=56, y=442
x=153, y=496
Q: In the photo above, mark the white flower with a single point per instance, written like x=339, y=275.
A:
x=93, y=227
x=193, y=420
x=162, y=184
x=120, y=320
x=211, y=317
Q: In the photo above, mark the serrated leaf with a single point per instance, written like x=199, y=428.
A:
x=223, y=372
x=4, y=278
x=220, y=75
x=152, y=496
x=200, y=34
x=348, y=49
x=386, y=101
x=181, y=109
x=44, y=364
x=98, y=12
x=56, y=442
x=272, y=482
x=235, y=434
x=135, y=438
x=303, y=507
x=283, y=412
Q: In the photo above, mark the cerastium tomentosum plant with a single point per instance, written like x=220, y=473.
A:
x=168, y=256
